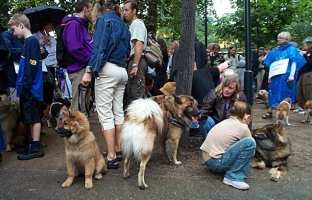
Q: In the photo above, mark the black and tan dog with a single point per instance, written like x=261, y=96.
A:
x=82, y=152
x=147, y=120
x=273, y=149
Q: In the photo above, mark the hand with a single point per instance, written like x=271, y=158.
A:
x=223, y=66
x=133, y=72
x=86, y=79
x=42, y=50
x=290, y=82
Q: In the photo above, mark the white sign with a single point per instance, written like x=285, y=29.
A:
x=278, y=67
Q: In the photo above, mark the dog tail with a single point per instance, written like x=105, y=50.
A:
x=142, y=115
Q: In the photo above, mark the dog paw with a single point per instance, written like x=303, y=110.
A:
x=88, y=184
x=67, y=183
x=143, y=187
x=177, y=162
x=275, y=174
x=258, y=164
x=98, y=176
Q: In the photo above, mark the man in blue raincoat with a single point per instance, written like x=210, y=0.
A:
x=283, y=63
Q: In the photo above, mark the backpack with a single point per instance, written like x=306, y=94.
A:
x=152, y=53
x=63, y=57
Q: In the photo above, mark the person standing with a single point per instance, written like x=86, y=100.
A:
x=108, y=62
x=29, y=84
x=137, y=64
x=283, y=63
x=77, y=42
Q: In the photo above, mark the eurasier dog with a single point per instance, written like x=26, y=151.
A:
x=273, y=149
x=8, y=119
x=82, y=152
x=283, y=110
x=146, y=120
x=308, y=111
x=169, y=88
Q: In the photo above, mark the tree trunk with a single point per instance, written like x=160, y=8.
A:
x=185, y=55
x=152, y=16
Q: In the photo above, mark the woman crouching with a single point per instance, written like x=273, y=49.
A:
x=229, y=147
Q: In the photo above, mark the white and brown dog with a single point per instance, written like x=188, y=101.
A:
x=307, y=111
x=283, y=110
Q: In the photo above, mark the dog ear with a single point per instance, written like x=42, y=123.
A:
x=177, y=99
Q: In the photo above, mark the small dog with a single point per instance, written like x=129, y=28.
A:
x=307, y=111
x=263, y=95
x=82, y=152
x=164, y=117
x=283, y=110
x=9, y=119
x=168, y=88
x=273, y=149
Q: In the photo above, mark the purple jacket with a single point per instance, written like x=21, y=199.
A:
x=77, y=42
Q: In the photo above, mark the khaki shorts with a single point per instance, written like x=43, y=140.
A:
x=109, y=93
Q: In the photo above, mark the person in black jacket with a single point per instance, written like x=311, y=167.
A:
x=200, y=54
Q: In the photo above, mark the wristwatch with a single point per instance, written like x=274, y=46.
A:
x=134, y=65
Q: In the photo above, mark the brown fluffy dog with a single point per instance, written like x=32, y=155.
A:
x=283, y=110
x=273, y=149
x=307, y=111
x=9, y=114
x=147, y=120
x=169, y=88
x=82, y=152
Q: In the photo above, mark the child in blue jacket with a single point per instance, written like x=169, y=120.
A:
x=29, y=84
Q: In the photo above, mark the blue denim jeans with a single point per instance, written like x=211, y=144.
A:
x=235, y=161
x=205, y=126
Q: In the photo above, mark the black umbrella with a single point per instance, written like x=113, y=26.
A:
x=41, y=15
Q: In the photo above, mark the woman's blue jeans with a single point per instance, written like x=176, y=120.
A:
x=205, y=126
x=235, y=161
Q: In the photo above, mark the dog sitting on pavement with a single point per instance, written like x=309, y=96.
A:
x=273, y=149
x=82, y=152
x=283, y=110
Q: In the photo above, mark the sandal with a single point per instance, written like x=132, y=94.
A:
x=112, y=164
x=267, y=115
x=119, y=156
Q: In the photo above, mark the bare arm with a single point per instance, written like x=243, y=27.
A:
x=138, y=51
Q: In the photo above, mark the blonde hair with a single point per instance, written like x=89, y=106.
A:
x=18, y=19
x=101, y=5
x=226, y=82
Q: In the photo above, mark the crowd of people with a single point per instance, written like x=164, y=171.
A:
x=113, y=58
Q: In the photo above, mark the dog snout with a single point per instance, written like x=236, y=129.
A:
x=62, y=132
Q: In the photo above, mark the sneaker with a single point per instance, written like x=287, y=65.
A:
x=31, y=154
x=112, y=164
x=241, y=185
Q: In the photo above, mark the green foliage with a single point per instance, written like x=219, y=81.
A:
x=268, y=18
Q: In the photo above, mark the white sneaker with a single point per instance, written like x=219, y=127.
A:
x=241, y=185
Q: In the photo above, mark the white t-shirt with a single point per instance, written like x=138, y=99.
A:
x=138, y=32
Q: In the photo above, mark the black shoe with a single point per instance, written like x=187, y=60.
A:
x=31, y=154
x=112, y=164
x=119, y=156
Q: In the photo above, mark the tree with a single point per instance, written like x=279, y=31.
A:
x=268, y=19
x=184, y=58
